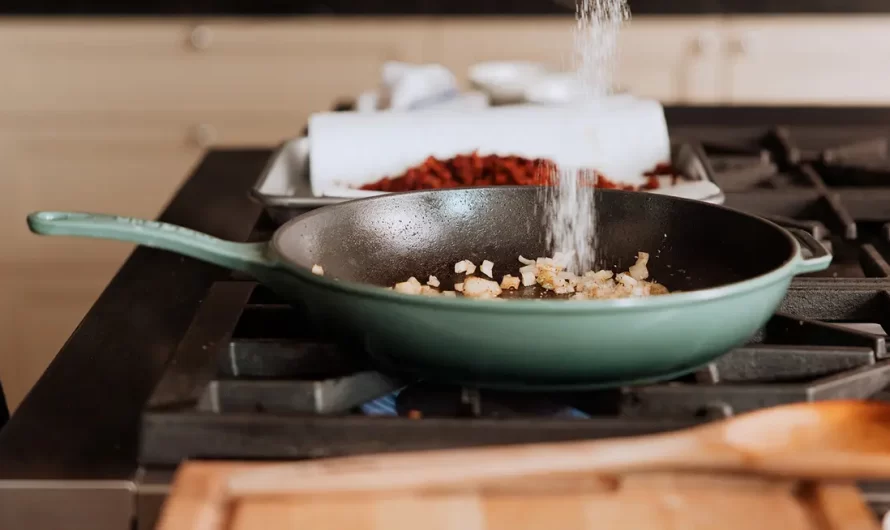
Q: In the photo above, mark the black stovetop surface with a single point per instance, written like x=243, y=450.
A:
x=178, y=359
x=300, y=395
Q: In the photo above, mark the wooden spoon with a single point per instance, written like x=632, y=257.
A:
x=822, y=440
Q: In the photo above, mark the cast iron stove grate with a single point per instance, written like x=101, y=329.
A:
x=253, y=379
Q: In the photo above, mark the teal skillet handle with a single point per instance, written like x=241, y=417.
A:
x=251, y=258
x=814, y=256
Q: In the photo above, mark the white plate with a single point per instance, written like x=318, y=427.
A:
x=505, y=81
x=554, y=89
x=562, y=88
x=471, y=99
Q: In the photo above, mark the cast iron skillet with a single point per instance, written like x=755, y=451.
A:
x=733, y=269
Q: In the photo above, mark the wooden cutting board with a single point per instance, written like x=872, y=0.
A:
x=640, y=501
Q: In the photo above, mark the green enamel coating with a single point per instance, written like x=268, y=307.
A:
x=519, y=344
x=820, y=259
x=546, y=345
x=251, y=258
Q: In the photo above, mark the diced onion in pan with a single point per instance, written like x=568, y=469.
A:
x=486, y=268
x=548, y=274
x=510, y=282
x=465, y=266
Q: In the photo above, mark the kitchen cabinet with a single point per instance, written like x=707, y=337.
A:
x=672, y=59
x=806, y=60
x=791, y=60
x=169, y=65
x=123, y=164
x=41, y=306
x=126, y=164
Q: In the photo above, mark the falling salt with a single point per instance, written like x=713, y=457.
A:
x=596, y=43
x=570, y=216
x=570, y=211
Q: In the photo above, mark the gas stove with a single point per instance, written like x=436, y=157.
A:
x=245, y=376
x=268, y=386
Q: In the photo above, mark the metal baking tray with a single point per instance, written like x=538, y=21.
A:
x=284, y=188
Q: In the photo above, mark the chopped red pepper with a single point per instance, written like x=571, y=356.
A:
x=475, y=170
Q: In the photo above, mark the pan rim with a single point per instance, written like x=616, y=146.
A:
x=783, y=272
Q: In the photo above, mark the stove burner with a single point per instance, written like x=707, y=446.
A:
x=445, y=401
x=741, y=150
x=740, y=173
x=382, y=406
x=863, y=150
x=326, y=396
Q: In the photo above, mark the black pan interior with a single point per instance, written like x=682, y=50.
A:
x=693, y=245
